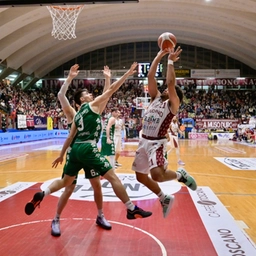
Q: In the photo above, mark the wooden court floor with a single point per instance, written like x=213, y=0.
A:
x=226, y=167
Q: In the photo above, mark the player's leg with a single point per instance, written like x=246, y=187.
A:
x=98, y=198
x=133, y=211
x=118, y=146
x=55, y=227
x=165, y=200
x=100, y=165
x=71, y=170
x=158, y=166
x=108, y=150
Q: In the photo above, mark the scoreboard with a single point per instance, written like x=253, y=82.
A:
x=143, y=69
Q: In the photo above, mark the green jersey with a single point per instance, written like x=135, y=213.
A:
x=88, y=124
x=111, y=131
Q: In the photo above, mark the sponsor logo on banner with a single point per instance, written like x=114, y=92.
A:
x=40, y=122
x=203, y=73
x=182, y=72
x=135, y=190
x=195, y=136
x=216, y=123
x=15, y=137
x=226, y=236
x=15, y=188
x=228, y=73
x=236, y=163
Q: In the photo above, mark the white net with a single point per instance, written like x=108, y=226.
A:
x=64, y=20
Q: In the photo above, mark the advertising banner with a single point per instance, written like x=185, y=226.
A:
x=216, y=123
x=40, y=122
x=27, y=136
x=227, y=237
x=49, y=123
x=21, y=121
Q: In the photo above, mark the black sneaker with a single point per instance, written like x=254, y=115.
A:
x=102, y=222
x=31, y=206
x=55, y=227
x=137, y=213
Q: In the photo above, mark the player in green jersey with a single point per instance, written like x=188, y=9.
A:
x=70, y=112
x=86, y=130
x=107, y=138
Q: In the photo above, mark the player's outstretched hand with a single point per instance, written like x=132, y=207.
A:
x=163, y=52
x=107, y=72
x=73, y=72
x=57, y=161
x=174, y=54
x=132, y=70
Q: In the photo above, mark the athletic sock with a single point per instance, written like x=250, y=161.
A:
x=178, y=175
x=129, y=205
x=57, y=216
x=47, y=192
x=161, y=195
x=100, y=212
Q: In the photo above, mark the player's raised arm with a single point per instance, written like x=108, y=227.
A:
x=152, y=84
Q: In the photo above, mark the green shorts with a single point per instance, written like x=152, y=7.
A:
x=67, y=157
x=86, y=156
x=107, y=149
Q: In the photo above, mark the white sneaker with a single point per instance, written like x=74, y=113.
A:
x=181, y=162
x=102, y=222
x=187, y=179
x=56, y=227
x=167, y=204
x=117, y=164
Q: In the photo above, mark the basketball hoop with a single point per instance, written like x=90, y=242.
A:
x=64, y=20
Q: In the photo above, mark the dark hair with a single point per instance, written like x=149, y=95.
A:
x=77, y=96
x=114, y=109
x=179, y=93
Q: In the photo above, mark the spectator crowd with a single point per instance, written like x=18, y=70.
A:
x=211, y=104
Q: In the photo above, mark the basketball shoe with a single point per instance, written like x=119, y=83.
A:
x=56, y=227
x=117, y=164
x=181, y=162
x=137, y=213
x=167, y=204
x=102, y=222
x=31, y=206
x=187, y=179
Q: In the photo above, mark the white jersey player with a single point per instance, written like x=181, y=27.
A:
x=172, y=137
x=150, y=155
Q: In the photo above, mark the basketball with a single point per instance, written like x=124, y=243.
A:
x=167, y=40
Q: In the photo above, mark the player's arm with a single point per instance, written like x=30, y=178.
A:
x=171, y=79
x=69, y=112
x=99, y=103
x=67, y=143
x=107, y=75
x=152, y=84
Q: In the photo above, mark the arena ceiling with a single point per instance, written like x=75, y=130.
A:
x=225, y=26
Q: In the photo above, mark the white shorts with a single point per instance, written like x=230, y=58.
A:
x=173, y=141
x=150, y=154
x=118, y=143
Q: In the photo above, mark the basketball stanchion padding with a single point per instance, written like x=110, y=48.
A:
x=64, y=20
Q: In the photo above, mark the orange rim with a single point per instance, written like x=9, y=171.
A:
x=65, y=8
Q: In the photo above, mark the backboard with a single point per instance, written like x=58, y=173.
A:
x=13, y=3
